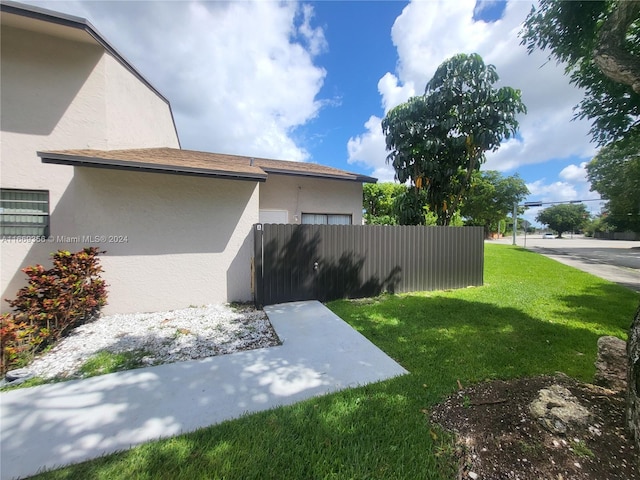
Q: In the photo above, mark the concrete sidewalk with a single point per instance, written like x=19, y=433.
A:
x=58, y=424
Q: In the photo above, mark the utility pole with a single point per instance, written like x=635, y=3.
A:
x=515, y=221
x=539, y=204
x=528, y=205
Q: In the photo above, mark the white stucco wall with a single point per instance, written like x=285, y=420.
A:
x=58, y=94
x=297, y=195
x=135, y=116
x=171, y=241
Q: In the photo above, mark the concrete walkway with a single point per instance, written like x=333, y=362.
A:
x=58, y=424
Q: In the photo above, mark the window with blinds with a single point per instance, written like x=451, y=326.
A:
x=326, y=219
x=24, y=213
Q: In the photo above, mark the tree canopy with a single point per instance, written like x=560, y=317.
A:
x=437, y=140
x=565, y=217
x=410, y=207
x=378, y=202
x=615, y=173
x=491, y=198
x=600, y=43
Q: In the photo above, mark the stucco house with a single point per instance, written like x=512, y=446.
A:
x=90, y=156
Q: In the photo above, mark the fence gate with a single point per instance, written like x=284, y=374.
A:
x=326, y=262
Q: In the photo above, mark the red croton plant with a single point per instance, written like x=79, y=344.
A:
x=53, y=302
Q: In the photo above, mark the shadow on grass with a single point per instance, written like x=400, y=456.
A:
x=380, y=430
x=376, y=431
x=445, y=339
x=608, y=307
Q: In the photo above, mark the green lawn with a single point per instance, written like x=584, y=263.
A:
x=533, y=316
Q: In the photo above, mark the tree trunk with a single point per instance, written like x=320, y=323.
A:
x=610, y=54
x=633, y=382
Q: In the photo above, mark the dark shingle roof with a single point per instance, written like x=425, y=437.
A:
x=191, y=162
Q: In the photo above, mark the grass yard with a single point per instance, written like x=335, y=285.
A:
x=533, y=316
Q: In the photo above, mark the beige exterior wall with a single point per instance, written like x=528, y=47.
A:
x=171, y=241
x=61, y=94
x=135, y=116
x=297, y=195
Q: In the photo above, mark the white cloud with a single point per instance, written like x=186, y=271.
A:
x=574, y=173
x=554, y=192
x=228, y=68
x=392, y=92
x=369, y=149
x=314, y=36
x=427, y=33
x=573, y=186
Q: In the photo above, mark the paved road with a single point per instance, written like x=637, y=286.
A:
x=617, y=261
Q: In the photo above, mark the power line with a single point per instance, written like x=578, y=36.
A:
x=539, y=204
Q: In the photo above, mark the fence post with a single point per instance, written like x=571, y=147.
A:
x=258, y=294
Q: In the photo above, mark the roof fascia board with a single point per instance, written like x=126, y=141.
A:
x=91, y=162
x=353, y=178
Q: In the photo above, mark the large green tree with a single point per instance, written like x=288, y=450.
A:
x=491, y=198
x=615, y=173
x=599, y=42
x=565, y=217
x=378, y=202
x=437, y=140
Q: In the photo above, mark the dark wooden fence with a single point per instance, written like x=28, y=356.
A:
x=326, y=262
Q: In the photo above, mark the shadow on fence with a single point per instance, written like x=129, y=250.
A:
x=297, y=269
x=327, y=262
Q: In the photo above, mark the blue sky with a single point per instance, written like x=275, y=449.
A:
x=310, y=81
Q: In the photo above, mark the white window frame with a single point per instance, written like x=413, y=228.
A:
x=23, y=216
x=326, y=218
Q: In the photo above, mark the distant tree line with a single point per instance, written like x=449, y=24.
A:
x=489, y=201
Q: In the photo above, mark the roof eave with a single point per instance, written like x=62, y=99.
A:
x=113, y=164
x=347, y=178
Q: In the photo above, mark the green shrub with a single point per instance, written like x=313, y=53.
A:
x=108, y=362
x=53, y=302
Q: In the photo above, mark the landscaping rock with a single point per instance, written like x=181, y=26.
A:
x=17, y=376
x=611, y=364
x=557, y=409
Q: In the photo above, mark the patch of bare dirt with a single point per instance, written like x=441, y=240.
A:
x=499, y=439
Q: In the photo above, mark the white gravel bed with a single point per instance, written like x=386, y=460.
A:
x=165, y=337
